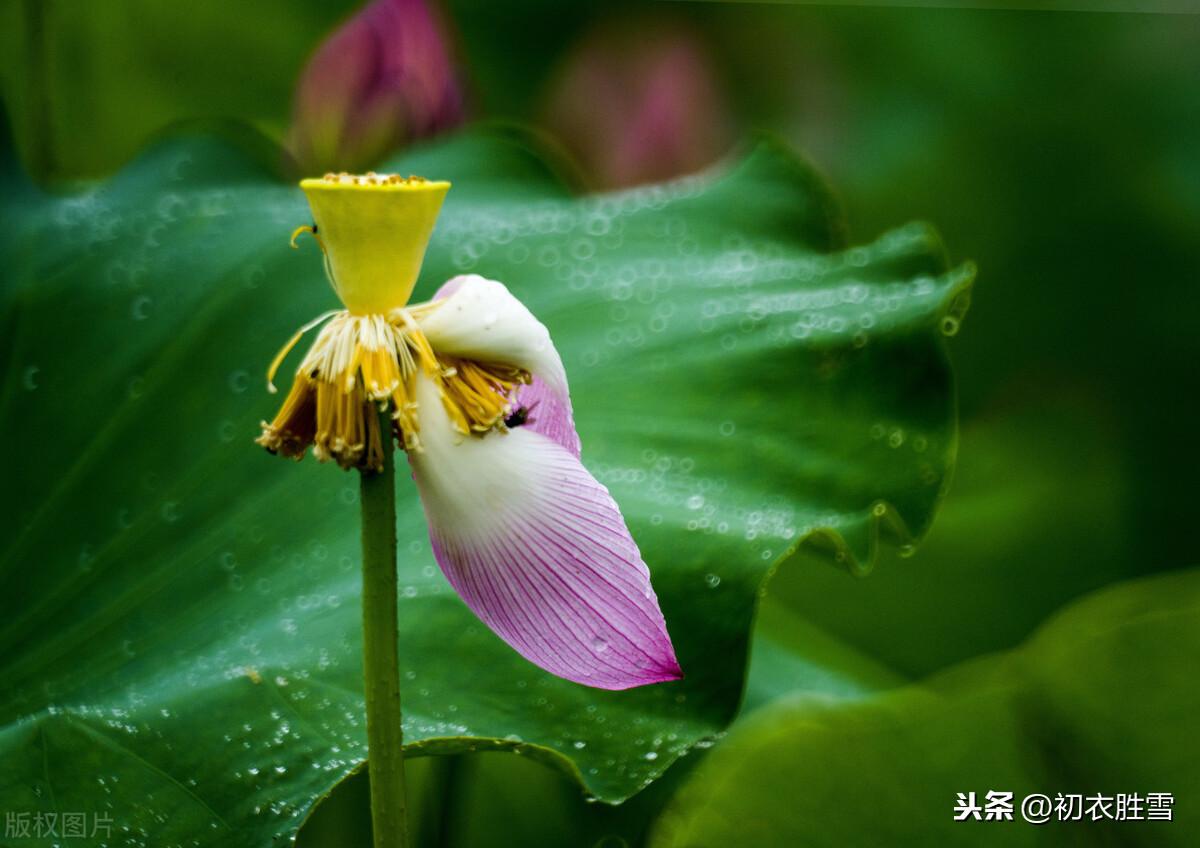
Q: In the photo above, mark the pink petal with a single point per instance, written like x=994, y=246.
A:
x=641, y=102
x=548, y=413
x=451, y=286
x=384, y=78
x=538, y=549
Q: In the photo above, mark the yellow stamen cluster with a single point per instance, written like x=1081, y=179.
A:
x=361, y=363
x=477, y=396
x=370, y=178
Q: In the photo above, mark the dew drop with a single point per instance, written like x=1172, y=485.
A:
x=139, y=309
x=238, y=381
x=169, y=511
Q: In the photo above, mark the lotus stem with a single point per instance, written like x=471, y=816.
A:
x=381, y=659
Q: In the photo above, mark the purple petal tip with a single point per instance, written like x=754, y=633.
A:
x=537, y=548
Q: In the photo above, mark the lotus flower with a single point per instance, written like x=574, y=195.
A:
x=640, y=103
x=384, y=78
x=535, y=546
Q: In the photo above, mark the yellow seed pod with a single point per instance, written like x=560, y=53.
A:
x=374, y=230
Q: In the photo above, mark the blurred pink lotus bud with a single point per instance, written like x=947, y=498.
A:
x=384, y=78
x=640, y=104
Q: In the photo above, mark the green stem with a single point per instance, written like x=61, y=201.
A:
x=381, y=660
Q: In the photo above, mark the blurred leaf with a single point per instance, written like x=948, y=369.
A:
x=1036, y=518
x=89, y=83
x=1103, y=700
x=791, y=654
x=181, y=626
x=1057, y=150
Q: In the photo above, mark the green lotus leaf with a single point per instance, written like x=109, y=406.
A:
x=1036, y=518
x=180, y=632
x=1100, y=702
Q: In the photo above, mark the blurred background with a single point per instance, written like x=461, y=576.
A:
x=1057, y=149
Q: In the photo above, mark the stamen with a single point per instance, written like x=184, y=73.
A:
x=306, y=228
x=478, y=396
x=357, y=365
x=294, y=427
x=291, y=343
x=312, y=229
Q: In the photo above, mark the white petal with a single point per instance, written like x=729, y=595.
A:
x=482, y=320
x=538, y=549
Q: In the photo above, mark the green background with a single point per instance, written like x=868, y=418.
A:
x=1056, y=150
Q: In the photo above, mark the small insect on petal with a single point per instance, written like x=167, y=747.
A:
x=480, y=319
